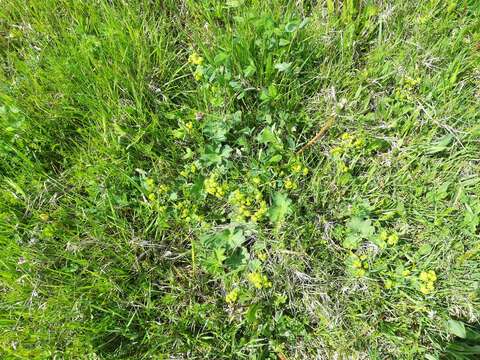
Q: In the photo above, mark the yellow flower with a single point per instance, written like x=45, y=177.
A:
x=195, y=59
x=296, y=168
x=346, y=136
x=151, y=197
x=357, y=264
x=383, y=235
x=424, y=289
x=163, y=188
x=198, y=74
x=337, y=151
x=427, y=287
x=189, y=125
x=232, y=296
x=359, y=143
x=342, y=167
x=305, y=171
x=43, y=217
x=432, y=276
x=388, y=284
x=360, y=272
x=424, y=276
x=262, y=256
x=392, y=239
x=289, y=184
x=258, y=280
x=149, y=183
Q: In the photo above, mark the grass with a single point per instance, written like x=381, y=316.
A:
x=155, y=205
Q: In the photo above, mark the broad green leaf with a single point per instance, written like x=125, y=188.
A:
x=362, y=227
x=457, y=328
x=440, y=145
x=292, y=26
x=234, y=3
x=283, y=66
x=280, y=209
x=236, y=239
x=351, y=241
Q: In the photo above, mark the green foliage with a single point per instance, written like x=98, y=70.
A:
x=153, y=203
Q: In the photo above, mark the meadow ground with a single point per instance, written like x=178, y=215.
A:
x=157, y=199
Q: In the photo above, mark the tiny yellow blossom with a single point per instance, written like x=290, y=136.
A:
x=424, y=276
x=43, y=217
x=151, y=197
x=383, y=235
x=342, y=167
x=149, y=183
x=262, y=256
x=392, y=239
x=290, y=185
x=232, y=296
x=360, y=272
x=296, y=168
x=388, y=284
x=424, y=289
x=337, y=151
x=195, y=59
x=258, y=280
x=357, y=264
x=198, y=74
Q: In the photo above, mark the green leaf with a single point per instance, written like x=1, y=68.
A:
x=351, y=242
x=440, y=145
x=235, y=239
x=280, y=209
x=425, y=249
x=292, y=26
x=457, y=328
x=283, y=66
x=234, y=3
x=267, y=136
x=362, y=227
x=216, y=156
x=275, y=159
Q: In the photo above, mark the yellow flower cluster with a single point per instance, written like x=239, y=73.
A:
x=391, y=239
x=198, y=74
x=149, y=186
x=348, y=141
x=290, y=184
x=195, y=59
x=232, y=296
x=192, y=169
x=258, y=280
x=406, y=91
x=245, y=206
x=427, y=281
x=187, y=211
x=359, y=265
x=298, y=168
x=212, y=187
